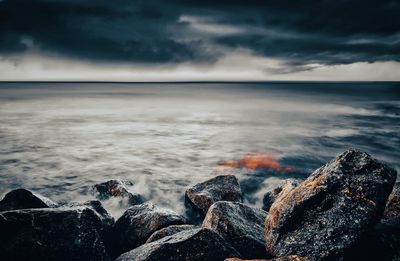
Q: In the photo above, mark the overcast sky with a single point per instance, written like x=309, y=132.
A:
x=159, y=40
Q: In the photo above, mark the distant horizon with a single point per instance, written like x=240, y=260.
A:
x=208, y=82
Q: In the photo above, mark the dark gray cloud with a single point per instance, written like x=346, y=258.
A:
x=156, y=31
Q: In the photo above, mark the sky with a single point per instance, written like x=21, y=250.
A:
x=177, y=40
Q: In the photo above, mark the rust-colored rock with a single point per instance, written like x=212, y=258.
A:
x=331, y=209
x=221, y=188
x=270, y=197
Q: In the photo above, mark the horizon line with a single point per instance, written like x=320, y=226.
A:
x=200, y=82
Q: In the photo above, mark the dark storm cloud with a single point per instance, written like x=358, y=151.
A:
x=329, y=32
x=106, y=30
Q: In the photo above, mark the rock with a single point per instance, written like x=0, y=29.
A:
x=194, y=245
x=138, y=223
x=392, y=209
x=107, y=221
x=22, y=199
x=285, y=258
x=203, y=195
x=117, y=188
x=168, y=231
x=65, y=233
x=240, y=225
x=271, y=196
x=331, y=209
x=381, y=243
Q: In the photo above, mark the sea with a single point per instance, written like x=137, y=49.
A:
x=59, y=139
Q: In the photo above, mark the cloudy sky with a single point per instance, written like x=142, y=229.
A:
x=174, y=40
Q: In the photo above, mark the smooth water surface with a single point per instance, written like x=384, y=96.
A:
x=58, y=139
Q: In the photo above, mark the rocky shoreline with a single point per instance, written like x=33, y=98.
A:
x=348, y=209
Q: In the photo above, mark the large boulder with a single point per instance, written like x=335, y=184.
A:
x=119, y=189
x=331, y=209
x=22, y=199
x=270, y=196
x=138, y=223
x=65, y=233
x=169, y=231
x=240, y=225
x=221, y=188
x=194, y=245
x=106, y=220
x=392, y=209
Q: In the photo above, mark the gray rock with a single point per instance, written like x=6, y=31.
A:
x=240, y=225
x=194, y=245
x=331, y=209
x=117, y=188
x=168, y=231
x=138, y=223
x=65, y=233
x=220, y=188
x=22, y=199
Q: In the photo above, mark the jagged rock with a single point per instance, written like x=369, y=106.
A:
x=137, y=224
x=168, y=231
x=240, y=225
x=285, y=258
x=331, y=209
x=271, y=196
x=65, y=233
x=22, y=199
x=392, y=209
x=221, y=188
x=194, y=245
x=117, y=188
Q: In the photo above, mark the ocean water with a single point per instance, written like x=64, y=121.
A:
x=59, y=139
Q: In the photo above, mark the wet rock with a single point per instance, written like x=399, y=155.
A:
x=331, y=209
x=392, y=209
x=240, y=225
x=138, y=223
x=194, y=245
x=270, y=197
x=22, y=199
x=203, y=195
x=107, y=221
x=65, y=233
x=168, y=231
x=117, y=188
x=285, y=258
